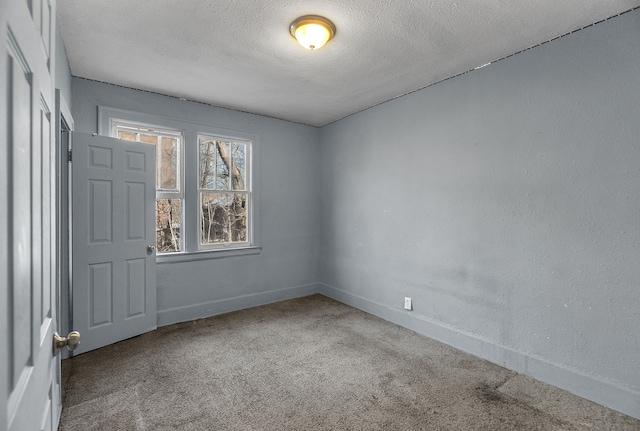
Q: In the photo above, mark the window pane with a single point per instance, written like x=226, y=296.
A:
x=207, y=160
x=168, y=216
x=149, y=139
x=238, y=154
x=168, y=163
x=222, y=165
x=127, y=136
x=223, y=217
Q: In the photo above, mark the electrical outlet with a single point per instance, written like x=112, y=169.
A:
x=407, y=303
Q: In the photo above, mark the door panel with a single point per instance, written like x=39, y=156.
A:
x=26, y=237
x=20, y=256
x=114, y=282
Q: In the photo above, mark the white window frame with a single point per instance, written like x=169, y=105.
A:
x=191, y=199
x=247, y=192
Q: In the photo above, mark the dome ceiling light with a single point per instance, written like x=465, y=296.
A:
x=312, y=31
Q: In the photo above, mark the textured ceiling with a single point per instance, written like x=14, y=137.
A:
x=239, y=53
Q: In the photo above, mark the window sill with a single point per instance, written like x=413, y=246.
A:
x=206, y=255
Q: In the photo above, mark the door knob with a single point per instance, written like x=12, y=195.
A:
x=151, y=248
x=71, y=341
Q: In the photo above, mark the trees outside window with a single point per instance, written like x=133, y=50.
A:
x=223, y=191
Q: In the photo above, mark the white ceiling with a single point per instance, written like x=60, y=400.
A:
x=239, y=53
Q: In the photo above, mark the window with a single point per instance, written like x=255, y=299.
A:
x=224, y=192
x=169, y=198
x=207, y=184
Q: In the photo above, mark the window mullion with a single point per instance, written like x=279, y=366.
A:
x=158, y=162
x=215, y=165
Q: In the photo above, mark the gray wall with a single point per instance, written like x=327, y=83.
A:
x=63, y=73
x=289, y=209
x=506, y=203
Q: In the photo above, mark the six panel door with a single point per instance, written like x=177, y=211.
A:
x=29, y=387
x=114, y=282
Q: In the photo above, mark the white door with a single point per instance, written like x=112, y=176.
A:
x=113, y=204
x=29, y=394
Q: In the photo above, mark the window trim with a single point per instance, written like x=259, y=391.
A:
x=190, y=131
x=218, y=253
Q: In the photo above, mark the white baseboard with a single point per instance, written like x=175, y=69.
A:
x=596, y=389
x=226, y=305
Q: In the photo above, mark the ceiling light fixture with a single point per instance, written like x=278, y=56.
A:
x=312, y=31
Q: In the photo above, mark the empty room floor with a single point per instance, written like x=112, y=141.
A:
x=308, y=364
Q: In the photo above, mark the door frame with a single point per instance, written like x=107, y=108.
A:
x=4, y=211
x=64, y=124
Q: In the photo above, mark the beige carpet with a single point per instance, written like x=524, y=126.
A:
x=308, y=364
